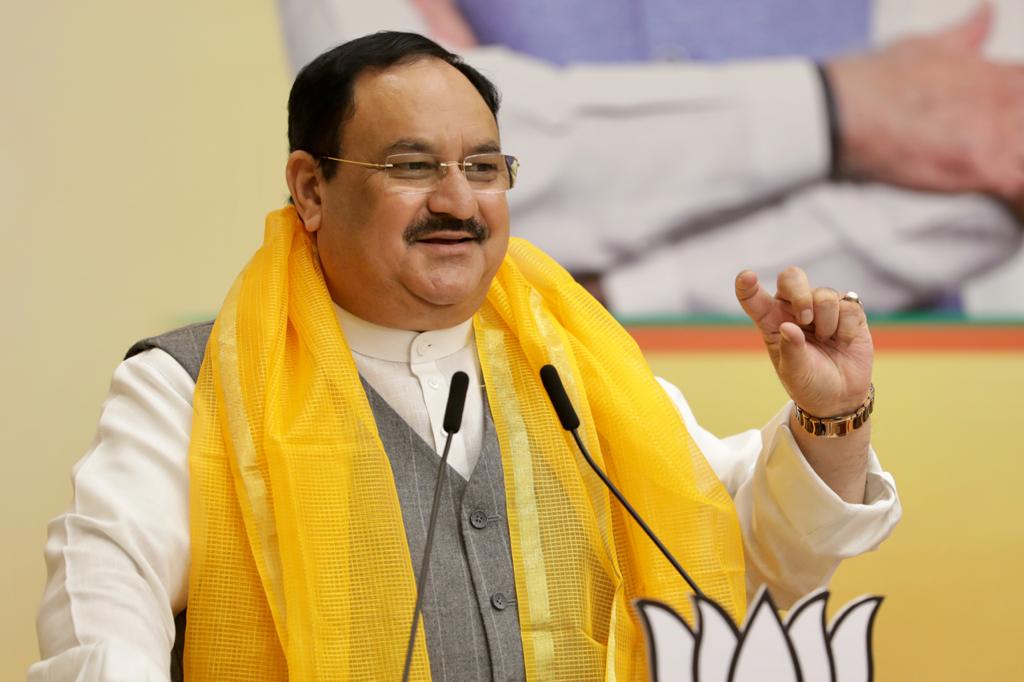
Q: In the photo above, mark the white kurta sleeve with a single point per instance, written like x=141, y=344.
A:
x=796, y=530
x=118, y=559
x=661, y=145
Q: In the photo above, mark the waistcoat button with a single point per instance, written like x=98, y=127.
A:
x=478, y=519
x=498, y=601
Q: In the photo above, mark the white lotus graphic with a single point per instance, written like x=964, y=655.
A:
x=765, y=649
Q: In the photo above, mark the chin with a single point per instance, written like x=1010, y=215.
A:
x=451, y=286
x=452, y=306
x=453, y=299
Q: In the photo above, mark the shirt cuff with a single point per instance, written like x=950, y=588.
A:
x=814, y=511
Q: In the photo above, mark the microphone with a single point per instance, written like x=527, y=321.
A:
x=558, y=397
x=456, y=403
x=571, y=423
x=452, y=423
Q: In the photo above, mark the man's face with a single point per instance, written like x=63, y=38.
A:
x=403, y=260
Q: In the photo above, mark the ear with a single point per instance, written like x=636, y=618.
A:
x=302, y=173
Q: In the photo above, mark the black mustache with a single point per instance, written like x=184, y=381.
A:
x=432, y=224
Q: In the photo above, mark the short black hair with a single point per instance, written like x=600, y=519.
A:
x=322, y=95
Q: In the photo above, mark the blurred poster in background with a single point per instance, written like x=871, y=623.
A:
x=668, y=144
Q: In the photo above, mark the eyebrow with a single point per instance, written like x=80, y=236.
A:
x=417, y=145
x=486, y=148
x=409, y=144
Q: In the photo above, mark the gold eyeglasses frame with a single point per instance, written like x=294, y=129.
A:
x=511, y=165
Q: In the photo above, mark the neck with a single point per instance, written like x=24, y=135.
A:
x=415, y=315
x=389, y=343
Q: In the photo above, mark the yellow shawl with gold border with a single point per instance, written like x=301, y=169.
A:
x=300, y=566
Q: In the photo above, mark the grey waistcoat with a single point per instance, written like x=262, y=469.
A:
x=469, y=612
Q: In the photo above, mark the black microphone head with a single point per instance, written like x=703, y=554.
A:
x=558, y=397
x=456, y=402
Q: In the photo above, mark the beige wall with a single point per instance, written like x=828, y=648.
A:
x=141, y=144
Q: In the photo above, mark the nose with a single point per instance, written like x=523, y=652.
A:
x=454, y=196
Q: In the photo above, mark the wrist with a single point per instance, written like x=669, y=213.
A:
x=833, y=123
x=840, y=463
x=840, y=424
x=847, y=78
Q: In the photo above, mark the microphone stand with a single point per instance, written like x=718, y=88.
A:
x=571, y=423
x=452, y=423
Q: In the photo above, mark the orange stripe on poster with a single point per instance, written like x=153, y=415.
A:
x=918, y=337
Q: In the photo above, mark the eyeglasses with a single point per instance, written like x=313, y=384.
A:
x=421, y=173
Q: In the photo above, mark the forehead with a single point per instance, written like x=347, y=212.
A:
x=428, y=101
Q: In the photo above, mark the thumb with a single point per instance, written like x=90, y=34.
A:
x=793, y=353
x=969, y=33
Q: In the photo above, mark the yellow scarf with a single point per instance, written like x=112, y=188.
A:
x=300, y=566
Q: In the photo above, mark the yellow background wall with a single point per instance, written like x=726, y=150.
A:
x=141, y=143
x=951, y=571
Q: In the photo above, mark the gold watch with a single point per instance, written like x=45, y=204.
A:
x=837, y=427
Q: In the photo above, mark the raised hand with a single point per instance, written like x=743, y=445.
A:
x=821, y=348
x=819, y=343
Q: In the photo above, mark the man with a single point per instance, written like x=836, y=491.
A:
x=702, y=125
x=288, y=513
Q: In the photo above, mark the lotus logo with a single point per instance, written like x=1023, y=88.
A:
x=765, y=649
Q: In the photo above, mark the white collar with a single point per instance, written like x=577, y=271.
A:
x=401, y=345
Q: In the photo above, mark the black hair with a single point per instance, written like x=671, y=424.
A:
x=322, y=95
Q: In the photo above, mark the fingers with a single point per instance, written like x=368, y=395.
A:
x=851, y=320
x=970, y=32
x=821, y=311
x=826, y=313
x=835, y=318
x=794, y=289
x=753, y=297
